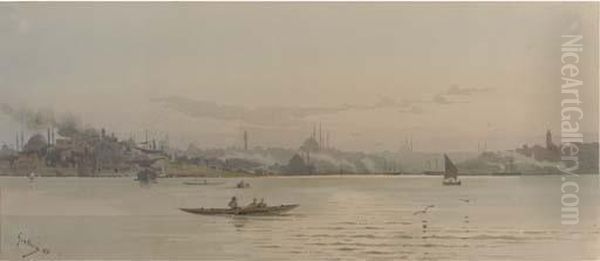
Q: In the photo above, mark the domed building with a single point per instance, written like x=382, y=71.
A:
x=297, y=165
x=36, y=145
x=310, y=145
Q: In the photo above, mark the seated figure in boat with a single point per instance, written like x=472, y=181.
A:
x=254, y=204
x=233, y=203
x=262, y=203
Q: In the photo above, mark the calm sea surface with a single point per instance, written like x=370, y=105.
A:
x=340, y=218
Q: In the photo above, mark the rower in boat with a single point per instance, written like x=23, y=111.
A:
x=262, y=203
x=254, y=204
x=233, y=203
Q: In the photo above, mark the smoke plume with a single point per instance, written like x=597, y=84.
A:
x=68, y=125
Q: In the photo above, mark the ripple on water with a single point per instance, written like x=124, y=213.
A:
x=340, y=230
x=323, y=235
x=373, y=228
x=405, y=223
x=433, y=245
x=498, y=237
x=376, y=252
x=368, y=236
x=270, y=246
x=352, y=244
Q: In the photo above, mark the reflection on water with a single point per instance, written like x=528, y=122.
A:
x=343, y=218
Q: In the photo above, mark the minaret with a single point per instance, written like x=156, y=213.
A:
x=549, y=144
x=320, y=137
x=147, y=145
x=167, y=144
x=245, y=140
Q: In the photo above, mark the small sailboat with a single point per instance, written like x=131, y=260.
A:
x=450, y=173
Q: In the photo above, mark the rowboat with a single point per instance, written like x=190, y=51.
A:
x=270, y=210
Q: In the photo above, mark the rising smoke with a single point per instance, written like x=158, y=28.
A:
x=68, y=125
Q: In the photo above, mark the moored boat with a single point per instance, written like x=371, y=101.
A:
x=270, y=210
x=202, y=183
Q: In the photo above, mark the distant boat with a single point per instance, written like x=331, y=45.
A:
x=146, y=176
x=433, y=173
x=242, y=184
x=450, y=173
x=202, y=183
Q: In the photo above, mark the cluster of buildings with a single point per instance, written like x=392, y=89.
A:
x=548, y=153
x=76, y=152
x=92, y=152
x=587, y=160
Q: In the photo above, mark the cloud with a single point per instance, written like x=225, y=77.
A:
x=440, y=99
x=385, y=102
x=443, y=99
x=281, y=116
x=259, y=115
x=457, y=90
x=412, y=109
x=269, y=116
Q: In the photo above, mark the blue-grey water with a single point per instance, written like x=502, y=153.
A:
x=340, y=218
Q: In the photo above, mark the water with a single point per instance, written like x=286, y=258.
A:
x=340, y=218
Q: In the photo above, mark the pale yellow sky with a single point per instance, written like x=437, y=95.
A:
x=448, y=74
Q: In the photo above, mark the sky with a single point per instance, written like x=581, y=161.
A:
x=446, y=75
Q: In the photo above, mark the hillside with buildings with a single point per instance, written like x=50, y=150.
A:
x=66, y=149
